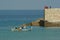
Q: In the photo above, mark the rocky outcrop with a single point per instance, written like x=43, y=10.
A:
x=36, y=23
x=44, y=23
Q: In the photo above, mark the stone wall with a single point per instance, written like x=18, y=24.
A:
x=52, y=15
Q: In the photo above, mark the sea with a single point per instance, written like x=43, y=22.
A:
x=15, y=18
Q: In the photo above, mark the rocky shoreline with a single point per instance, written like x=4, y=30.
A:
x=44, y=23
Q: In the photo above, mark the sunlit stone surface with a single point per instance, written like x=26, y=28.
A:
x=52, y=14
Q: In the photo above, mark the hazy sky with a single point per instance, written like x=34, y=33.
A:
x=27, y=4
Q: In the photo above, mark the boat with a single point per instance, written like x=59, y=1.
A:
x=21, y=29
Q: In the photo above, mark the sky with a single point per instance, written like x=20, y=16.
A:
x=27, y=4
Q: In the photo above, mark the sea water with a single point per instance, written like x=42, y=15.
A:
x=12, y=18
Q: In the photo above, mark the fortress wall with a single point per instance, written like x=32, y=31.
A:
x=52, y=14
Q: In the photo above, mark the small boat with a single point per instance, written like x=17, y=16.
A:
x=21, y=29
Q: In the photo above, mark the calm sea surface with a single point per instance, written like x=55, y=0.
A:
x=11, y=18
